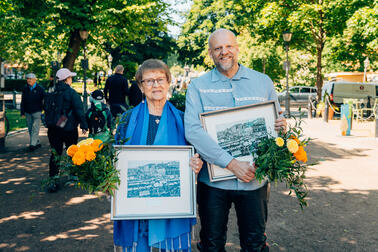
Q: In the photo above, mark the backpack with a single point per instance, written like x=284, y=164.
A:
x=97, y=118
x=53, y=107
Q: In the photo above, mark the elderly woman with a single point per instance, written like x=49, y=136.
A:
x=155, y=121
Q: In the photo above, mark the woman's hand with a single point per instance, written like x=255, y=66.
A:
x=196, y=163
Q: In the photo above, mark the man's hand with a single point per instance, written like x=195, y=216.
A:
x=280, y=124
x=242, y=170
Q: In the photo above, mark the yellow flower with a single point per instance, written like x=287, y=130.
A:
x=279, y=141
x=90, y=155
x=87, y=141
x=72, y=150
x=292, y=145
x=97, y=145
x=79, y=158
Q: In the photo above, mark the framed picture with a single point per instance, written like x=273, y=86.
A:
x=236, y=130
x=156, y=183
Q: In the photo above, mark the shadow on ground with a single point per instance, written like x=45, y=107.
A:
x=71, y=220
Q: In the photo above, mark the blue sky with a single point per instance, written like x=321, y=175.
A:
x=180, y=6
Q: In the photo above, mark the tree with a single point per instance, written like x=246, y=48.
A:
x=358, y=41
x=314, y=25
x=54, y=25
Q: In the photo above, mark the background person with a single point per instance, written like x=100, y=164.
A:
x=155, y=121
x=99, y=118
x=228, y=85
x=31, y=107
x=71, y=106
x=116, y=90
x=135, y=95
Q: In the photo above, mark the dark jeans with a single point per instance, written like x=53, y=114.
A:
x=58, y=137
x=252, y=212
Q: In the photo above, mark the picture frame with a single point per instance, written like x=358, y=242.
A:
x=156, y=183
x=228, y=126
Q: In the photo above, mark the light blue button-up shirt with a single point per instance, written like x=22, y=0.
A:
x=214, y=91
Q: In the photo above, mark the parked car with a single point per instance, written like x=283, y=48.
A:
x=298, y=93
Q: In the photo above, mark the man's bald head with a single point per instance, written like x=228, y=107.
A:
x=219, y=33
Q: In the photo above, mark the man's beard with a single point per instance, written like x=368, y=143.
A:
x=225, y=67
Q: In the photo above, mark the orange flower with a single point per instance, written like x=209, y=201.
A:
x=97, y=145
x=85, y=148
x=79, y=158
x=90, y=155
x=72, y=150
x=301, y=154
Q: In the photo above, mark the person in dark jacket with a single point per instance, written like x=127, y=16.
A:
x=31, y=107
x=116, y=90
x=135, y=95
x=67, y=135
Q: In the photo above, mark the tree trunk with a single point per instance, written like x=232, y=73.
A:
x=319, y=75
x=319, y=50
x=73, y=50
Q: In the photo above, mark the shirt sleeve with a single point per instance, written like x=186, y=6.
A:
x=197, y=136
x=79, y=110
x=273, y=94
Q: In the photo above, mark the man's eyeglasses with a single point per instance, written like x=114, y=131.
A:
x=151, y=82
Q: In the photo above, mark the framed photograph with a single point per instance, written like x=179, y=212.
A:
x=236, y=130
x=156, y=183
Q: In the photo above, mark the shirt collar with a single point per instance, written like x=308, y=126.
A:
x=31, y=88
x=240, y=74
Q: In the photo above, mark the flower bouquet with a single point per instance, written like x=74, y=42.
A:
x=90, y=165
x=284, y=159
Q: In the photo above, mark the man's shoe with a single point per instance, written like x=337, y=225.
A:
x=32, y=147
x=38, y=146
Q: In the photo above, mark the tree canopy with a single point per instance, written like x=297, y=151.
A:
x=345, y=30
x=41, y=28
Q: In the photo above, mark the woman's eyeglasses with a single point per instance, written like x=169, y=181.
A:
x=151, y=82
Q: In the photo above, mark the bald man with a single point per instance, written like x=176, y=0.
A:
x=228, y=85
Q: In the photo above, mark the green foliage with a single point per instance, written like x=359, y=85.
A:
x=41, y=28
x=358, y=40
x=18, y=85
x=131, y=53
x=178, y=100
x=15, y=120
x=277, y=163
x=345, y=30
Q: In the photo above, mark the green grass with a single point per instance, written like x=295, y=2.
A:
x=15, y=120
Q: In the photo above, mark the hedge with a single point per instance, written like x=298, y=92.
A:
x=18, y=85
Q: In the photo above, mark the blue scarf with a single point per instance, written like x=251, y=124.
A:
x=163, y=233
